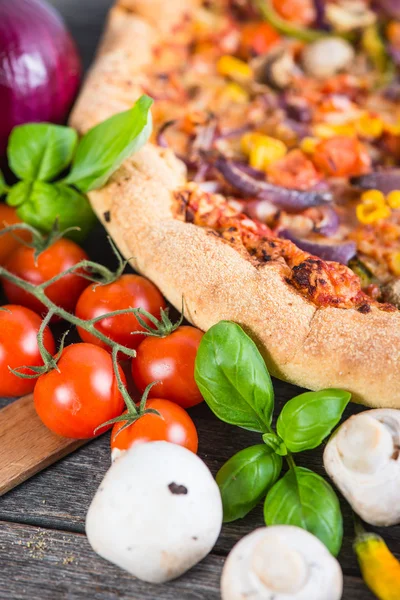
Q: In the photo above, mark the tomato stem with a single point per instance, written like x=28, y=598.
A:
x=162, y=327
x=99, y=275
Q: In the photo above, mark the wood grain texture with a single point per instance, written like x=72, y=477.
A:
x=69, y=570
x=27, y=446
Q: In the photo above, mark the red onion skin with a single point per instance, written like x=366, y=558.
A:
x=287, y=199
x=341, y=252
x=390, y=7
x=39, y=66
x=387, y=180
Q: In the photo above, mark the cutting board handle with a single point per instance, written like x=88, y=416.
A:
x=27, y=446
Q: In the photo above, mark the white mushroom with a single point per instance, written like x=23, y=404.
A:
x=326, y=57
x=157, y=512
x=348, y=15
x=281, y=563
x=362, y=458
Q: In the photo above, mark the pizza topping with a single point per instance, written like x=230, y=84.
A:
x=274, y=105
x=324, y=283
x=372, y=207
x=249, y=185
x=327, y=57
x=333, y=251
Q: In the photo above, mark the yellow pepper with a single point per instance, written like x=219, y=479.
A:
x=393, y=199
x=262, y=149
x=230, y=66
x=309, y=144
x=233, y=92
x=324, y=131
x=392, y=128
x=372, y=207
x=379, y=568
x=369, y=127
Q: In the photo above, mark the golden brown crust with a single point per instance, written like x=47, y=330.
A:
x=311, y=347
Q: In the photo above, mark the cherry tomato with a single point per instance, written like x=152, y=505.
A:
x=258, y=38
x=129, y=291
x=295, y=170
x=60, y=256
x=8, y=242
x=342, y=156
x=173, y=425
x=82, y=395
x=301, y=12
x=169, y=360
x=19, y=327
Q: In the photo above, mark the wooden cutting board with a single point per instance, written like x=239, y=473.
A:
x=27, y=446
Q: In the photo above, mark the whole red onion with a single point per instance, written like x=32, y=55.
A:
x=39, y=66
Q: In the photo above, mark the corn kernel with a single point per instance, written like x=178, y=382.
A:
x=262, y=149
x=370, y=213
x=392, y=128
x=248, y=140
x=373, y=197
x=324, y=131
x=394, y=263
x=309, y=144
x=369, y=127
x=393, y=199
x=229, y=66
x=234, y=92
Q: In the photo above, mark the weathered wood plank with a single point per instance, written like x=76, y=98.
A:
x=45, y=564
x=27, y=446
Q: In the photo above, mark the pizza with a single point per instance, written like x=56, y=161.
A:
x=269, y=194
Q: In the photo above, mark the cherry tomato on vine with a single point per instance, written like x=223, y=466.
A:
x=129, y=291
x=82, y=395
x=173, y=425
x=8, y=242
x=169, y=360
x=19, y=327
x=61, y=255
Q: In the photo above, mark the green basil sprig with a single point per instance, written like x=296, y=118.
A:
x=233, y=378
x=105, y=147
x=306, y=420
x=40, y=152
x=235, y=383
x=246, y=478
x=305, y=499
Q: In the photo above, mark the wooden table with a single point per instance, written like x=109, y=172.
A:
x=44, y=553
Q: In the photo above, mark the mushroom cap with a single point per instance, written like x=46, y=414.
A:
x=281, y=562
x=327, y=56
x=157, y=512
x=362, y=459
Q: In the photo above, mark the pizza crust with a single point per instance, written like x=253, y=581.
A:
x=309, y=346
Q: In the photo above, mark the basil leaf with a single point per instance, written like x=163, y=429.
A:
x=233, y=378
x=105, y=147
x=245, y=479
x=41, y=150
x=48, y=202
x=19, y=193
x=305, y=499
x=3, y=186
x=309, y=418
x=274, y=442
